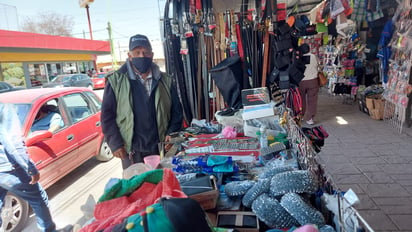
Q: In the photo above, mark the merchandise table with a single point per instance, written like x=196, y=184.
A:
x=238, y=184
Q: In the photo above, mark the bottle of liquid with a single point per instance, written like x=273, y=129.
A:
x=263, y=139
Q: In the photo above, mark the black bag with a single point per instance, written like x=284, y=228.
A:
x=185, y=214
x=182, y=214
x=304, y=48
x=282, y=60
x=228, y=75
x=284, y=80
x=296, y=73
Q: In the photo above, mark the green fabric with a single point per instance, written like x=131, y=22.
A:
x=125, y=119
x=213, y=160
x=156, y=220
x=223, y=168
x=125, y=187
x=281, y=136
x=218, y=229
x=321, y=27
x=163, y=105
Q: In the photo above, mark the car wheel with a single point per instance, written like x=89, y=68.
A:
x=14, y=214
x=90, y=87
x=105, y=154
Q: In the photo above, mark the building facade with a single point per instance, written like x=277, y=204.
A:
x=31, y=60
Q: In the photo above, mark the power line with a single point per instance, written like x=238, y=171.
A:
x=118, y=33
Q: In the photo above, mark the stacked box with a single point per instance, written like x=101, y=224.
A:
x=256, y=116
x=375, y=105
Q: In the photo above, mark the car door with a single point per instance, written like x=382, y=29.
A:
x=4, y=87
x=85, y=124
x=74, y=80
x=54, y=156
x=80, y=82
x=86, y=81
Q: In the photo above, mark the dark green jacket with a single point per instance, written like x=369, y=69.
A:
x=167, y=105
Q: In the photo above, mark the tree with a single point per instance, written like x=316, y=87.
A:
x=49, y=23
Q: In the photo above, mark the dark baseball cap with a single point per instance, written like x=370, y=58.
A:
x=139, y=41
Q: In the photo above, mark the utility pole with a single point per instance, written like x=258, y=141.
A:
x=114, y=62
x=88, y=19
x=120, y=50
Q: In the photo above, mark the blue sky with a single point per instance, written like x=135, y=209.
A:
x=127, y=17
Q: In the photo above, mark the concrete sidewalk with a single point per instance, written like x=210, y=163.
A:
x=370, y=157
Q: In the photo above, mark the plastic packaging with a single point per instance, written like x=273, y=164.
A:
x=152, y=160
x=263, y=138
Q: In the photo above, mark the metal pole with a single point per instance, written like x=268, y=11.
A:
x=114, y=62
x=90, y=25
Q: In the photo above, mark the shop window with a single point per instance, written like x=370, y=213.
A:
x=13, y=73
x=69, y=68
x=53, y=69
x=38, y=75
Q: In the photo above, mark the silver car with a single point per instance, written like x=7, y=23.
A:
x=70, y=80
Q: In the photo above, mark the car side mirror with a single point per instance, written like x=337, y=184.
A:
x=38, y=136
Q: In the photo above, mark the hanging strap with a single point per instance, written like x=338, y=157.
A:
x=294, y=101
x=199, y=13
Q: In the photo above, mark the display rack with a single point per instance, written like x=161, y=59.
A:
x=349, y=219
x=397, y=92
x=394, y=116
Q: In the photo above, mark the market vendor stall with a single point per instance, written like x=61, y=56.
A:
x=239, y=182
x=245, y=158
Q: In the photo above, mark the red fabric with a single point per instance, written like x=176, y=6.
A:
x=198, y=5
x=112, y=212
x=281, y=11
x=145, y=190
x=192, y=7
x=115, y=205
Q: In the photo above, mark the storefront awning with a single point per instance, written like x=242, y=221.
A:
x=15, y=41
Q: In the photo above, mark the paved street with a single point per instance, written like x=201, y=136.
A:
x=68, y=195
x=373, y=159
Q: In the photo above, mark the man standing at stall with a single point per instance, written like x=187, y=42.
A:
x=140, y=106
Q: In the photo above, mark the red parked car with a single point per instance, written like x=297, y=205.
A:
x=56, y=154
x=99, y=80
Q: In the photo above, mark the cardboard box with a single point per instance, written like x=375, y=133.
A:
x=208, y=199
x=376, y=106
x=242, y=221
x=369, y=103
x=255, y=96
x=258, y=111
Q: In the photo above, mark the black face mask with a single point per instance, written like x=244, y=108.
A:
x=142, y=64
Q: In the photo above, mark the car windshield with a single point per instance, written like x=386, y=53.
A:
x=22, y=111
x=101, y=75
x=61, y=78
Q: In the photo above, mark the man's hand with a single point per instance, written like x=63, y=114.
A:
x=120, y=153
x=35, y=178
x=168, y=145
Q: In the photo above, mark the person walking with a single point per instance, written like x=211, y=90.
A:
x=140, y=105
x=309, y=89
x=18, y=174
